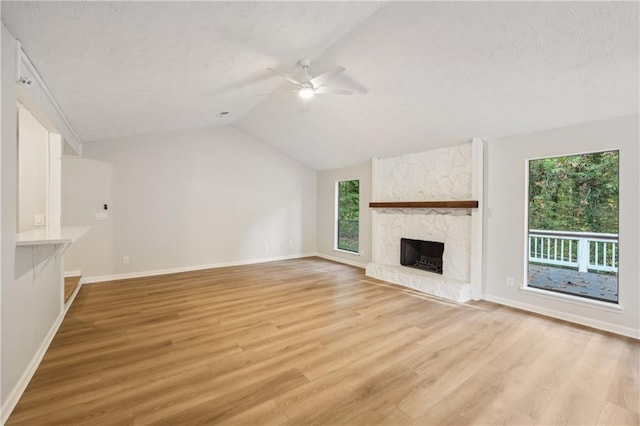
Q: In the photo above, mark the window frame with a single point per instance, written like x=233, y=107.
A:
x=612, y=306
x=336, y=222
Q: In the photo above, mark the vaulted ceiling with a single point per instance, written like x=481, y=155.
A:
x=424, y=74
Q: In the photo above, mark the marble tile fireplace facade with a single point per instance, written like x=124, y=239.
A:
x=453, y=173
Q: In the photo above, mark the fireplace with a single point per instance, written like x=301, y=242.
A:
x=452, y=173
x=419, y=254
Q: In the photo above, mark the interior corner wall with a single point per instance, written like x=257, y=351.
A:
x=327, y=213
x=504, y=219
x=188, y=199
x=31, y=286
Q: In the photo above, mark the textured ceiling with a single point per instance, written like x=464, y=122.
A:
x=425, y=74
x=124, y=68
x=438, y=74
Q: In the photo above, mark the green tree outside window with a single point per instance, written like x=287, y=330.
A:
x=347, y=237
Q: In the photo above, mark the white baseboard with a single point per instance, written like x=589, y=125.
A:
x=14, y=396
x=126, y=276
x=70, y=274
x=340, y=260
x=589, y=322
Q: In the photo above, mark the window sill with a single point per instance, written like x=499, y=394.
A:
x=575, y=300
x=347, y=251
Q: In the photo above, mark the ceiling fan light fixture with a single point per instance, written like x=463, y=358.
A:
x=309, y=86
x=306, y=92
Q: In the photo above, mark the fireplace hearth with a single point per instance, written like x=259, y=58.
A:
x=419, y=254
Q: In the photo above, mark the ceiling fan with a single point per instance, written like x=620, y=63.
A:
x=309, y=86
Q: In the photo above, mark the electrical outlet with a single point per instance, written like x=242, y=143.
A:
x=125, y=260
x=266, y=248
x=509, y=281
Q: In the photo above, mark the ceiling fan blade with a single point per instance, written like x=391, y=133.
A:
x=323, y=78
x=324, y=90
x=280, y=92
x=289, y=79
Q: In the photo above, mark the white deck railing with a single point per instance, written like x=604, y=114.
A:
x=583, y=250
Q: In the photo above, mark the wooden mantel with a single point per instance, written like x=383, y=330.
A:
x=452, y=204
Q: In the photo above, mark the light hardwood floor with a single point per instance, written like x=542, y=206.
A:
x=314, y=342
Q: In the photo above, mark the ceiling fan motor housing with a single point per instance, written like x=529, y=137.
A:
x=304, y=62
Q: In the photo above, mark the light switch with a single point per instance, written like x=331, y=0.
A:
x=38, y=220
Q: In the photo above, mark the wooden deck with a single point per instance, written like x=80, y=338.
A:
x=310, y=341
x=597, y=286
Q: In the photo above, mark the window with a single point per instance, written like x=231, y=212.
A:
x=347, y=215
x=573, y=225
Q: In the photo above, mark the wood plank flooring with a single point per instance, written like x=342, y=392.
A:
x=310, y=341
x=70, y=284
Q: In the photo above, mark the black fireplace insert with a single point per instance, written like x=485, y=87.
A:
x=425, y=255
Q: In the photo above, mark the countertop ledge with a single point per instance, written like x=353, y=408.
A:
x=64, y=235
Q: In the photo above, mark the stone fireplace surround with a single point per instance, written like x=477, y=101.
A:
x=453, y=173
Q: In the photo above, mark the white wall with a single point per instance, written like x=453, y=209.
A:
x=8, y=205
x=186, y=199
x=31, y=287
x=87, y=184
x=33, y=159
x=326, y=213
x=505, y=219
